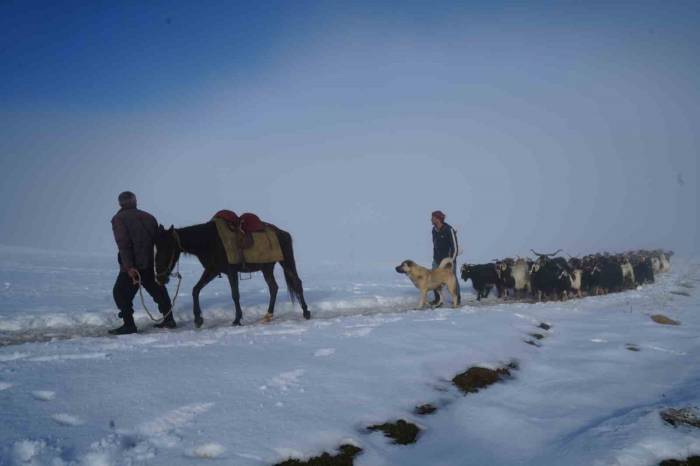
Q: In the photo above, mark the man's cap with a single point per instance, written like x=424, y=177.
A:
x=127, y=198
x=438, y=214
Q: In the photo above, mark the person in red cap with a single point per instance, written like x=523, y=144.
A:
x=444, y=245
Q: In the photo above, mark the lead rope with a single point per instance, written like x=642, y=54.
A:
x=172, y=303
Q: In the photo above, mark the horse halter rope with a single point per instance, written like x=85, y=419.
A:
x=169, y=270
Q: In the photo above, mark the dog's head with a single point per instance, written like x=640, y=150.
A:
x=405, y=266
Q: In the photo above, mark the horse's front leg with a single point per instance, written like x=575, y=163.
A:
x=269, y=275
x=235, y=294
x=206, y=277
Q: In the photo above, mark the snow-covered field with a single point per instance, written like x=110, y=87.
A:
x=259, y=394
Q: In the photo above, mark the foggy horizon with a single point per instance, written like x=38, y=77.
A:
x=549, y=126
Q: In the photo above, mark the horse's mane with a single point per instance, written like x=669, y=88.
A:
x=197, y=238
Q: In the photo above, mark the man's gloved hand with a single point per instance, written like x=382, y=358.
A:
x=134, y=274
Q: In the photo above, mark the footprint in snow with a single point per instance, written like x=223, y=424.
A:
x=67, y=420
x=162, y=431
x=286, y=380
x=26, y=451
x=44, y=395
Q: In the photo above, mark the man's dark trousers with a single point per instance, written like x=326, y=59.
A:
x=125, y=291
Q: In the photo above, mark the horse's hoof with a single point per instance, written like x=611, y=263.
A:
x=236, y=323
x=198, y=321
x=307, y=315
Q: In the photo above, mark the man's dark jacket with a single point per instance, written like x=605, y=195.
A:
x=444, y=243
x=135, y=232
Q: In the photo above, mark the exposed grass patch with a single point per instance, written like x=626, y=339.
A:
x=424, y=410
x=477, y=378
x=401, y=431
x=692, y=461
x=684, y=416
x=345, y=457
x=513, y=365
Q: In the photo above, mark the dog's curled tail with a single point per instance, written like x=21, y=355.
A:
x=446, y=263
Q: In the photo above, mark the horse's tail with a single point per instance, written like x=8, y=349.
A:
x=294, y=285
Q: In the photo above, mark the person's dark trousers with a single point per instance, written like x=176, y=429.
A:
x=436, y=298
x=125, y=291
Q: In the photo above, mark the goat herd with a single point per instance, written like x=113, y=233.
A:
x=550, y=277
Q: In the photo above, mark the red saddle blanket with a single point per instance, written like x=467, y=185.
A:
x=247, y=222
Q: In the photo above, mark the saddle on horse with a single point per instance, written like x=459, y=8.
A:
x=239, y=235
x=246, y=224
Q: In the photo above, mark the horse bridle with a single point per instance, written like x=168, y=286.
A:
x=171, y=264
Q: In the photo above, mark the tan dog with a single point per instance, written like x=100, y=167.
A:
x=427, y=279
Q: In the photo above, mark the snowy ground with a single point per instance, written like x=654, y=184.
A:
x=259, y=394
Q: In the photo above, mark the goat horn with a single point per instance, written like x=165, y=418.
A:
x=546, y=255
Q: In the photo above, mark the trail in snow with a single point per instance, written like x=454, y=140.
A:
x=43, y=331
x=261, y=393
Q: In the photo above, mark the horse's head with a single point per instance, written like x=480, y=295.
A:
x=167, y=253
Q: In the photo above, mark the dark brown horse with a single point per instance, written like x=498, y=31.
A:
x=203, y=241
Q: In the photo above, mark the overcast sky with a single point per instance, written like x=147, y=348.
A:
x=539, y=125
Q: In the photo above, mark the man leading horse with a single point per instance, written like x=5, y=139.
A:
x=135, y=232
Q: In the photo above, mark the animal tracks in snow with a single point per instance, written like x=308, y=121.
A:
x=141, y=444
x=371, y=323
x=161, y=429
x=285, y=380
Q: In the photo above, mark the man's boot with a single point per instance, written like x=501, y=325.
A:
x=436, y=299
x=168, y=322
x=128, y=327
